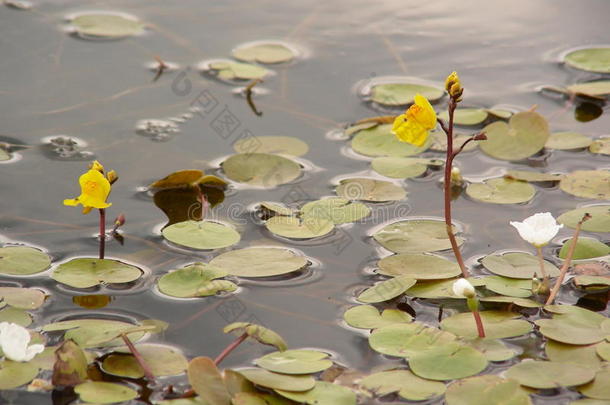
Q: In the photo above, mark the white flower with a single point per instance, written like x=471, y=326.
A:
x=538, y=229
x=462, y=288
x=14, y=341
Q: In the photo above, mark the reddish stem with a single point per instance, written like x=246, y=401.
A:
x=479, y=322
x=203, y=201
x=230, y=348
x=138, y=356
x=102, y=233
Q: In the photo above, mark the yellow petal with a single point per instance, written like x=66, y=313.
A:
x=97, y=166
x=425, y=115
x=87, y=210
x=94, y=189
x=73, y=202
x=410, y=131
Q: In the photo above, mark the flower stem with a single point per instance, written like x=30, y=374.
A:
x=567, y=261
x=138, y=356
x=230, y=348
x=203, y=201
x=479, y=322
x=102, y=232
x=545, y=276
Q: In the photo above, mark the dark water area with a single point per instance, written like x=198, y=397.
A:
x=52, y=83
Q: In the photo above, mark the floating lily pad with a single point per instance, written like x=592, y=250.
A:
x=590, y=59
x=466, y=116
x=368, y=317
x=90, y=272
x=409, y=339
x=500, y=113
x=207, y=381
x=533, y=177
x=398, y=94
x=600, y=387
x=523, y=136
x=201, y=235
x=501, y=191
x=603, y=350
x=82, y=331
x=162, y=360
x=259, y=262
x=338, y=210
x=380, y=141
x=323, y=393
x=111, y=26
x=277, y=381
x=587, y=184
x=370, y=190
x=494, y=350
x=231, y=70
x=386, y=290
x=23, y=260
x=599, y=221
x=4, y=155
x=15, y=315
x=104, y=392
x=286, y=145
x=263, y=335
x=266, y=52
x=497, y=324
x=299, y=228
x=402, y=168
x=521, y=302
x=517, y=265
x=277, y=208
x=22, y=298
x=438, y=288
x=295, y=362
x=448, y=362
x=415, y=236
x=567, y=141
x=591, y=281
x=572, y=331
x=594, y=89
x=509, y=286
x=15, y=374
x=584, y=355
x=195, y=280
x=586, y=248
x=261, y=169
x=439, y=142
x=403, y=382
x=601, y=146
x=549, y=374
x=418, y=266
x=485, y=390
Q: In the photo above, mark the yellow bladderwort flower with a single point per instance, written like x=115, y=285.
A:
x=94, y=191
x=414, y=124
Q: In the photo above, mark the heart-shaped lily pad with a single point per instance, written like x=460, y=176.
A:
x=285, y=145
x=370, y=190
x=89, y=272
x=509, y=286
x=549, y=374
x=22, y=298
x=438, y=288
x=408, y=339
x=584, y=355
x=501, y=191
x=466, y=116
x=403, y=382
x=259, y=262
x=23, y=260
x=397, y=167
x=111, y=26
x=323, y=393
x=202, y=235
x=277, y=381
x=335, y=209
x=264, y=52
x=305, y=227
x=15, y=374
x=497, y=324
x=600, y=387
x=590, y=59
x=104, y=392
x=586, y=248
x=162, y=361
x=523, y=136
x=567, y=141
x=532, y=177
x=386, y=290
x=517, y=265
x=599, y=221
x=295, y=362
x=448, y=362
x=230, y=70
x=415, y=236
x=195, y=280
x=493, y=349
x=368, y=317
x=261, y=169
x=84, y=330
x=587, y=184
x=485, y=390
x=419, y=266
x=398, y=94
x=600, y=146
x=380, y=141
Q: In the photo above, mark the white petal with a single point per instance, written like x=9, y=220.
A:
x=463, y=288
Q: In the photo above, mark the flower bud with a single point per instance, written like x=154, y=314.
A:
x=456, y=177
x=119, y=221
x=463, y=289
x=96, y=166
x=112, y=177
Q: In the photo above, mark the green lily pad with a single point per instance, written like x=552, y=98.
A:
x=595, y=89
x=82, y=331
x=415, y=236
x=585, y=355
x=466, y=116
x=277, y=381
x=284, y=145
x=500, y=113
x=386, y=290
x=603, y=350
x=448, y=362
x=521, y=302
x=335, y=209
x=263, y=335
x=23, y=260
x=549, y=374
x=195, y=280
x=206, y=380
x=259, y=262
x=485, y=390
x=368, y=317
x=276, y=208
x=567, y=141
x=269, y=52
x=571, y=331
x=295, y=362
x=370, y=190
x=230, y=70
x=501, y=191
x=202, y=235
x=4, y=155
x=261, y=169
x=517, y=265
x=497, y=324
x=15, y=315
x=586, y=248
x=305, y=227
x=15, y=374
x=323, y=393
x=587, y=184
x=590, y=59
x=600, y=387
x=438, y=288
x=438, y=141
x=409, y=339
x=494, y=350
x=380, y=141
x=509, y=286
x=532, y=177
x=104, y=392
x=398, y=94
x=111, y=26
x=523, y=136
x=600, y=146
x=419, y=266
x=397, y=167
x=403, y=382
x=591, y=281
x=90, y=272
x=162, y=360
x=22, y=298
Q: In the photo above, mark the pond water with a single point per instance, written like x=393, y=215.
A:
x=54, y=83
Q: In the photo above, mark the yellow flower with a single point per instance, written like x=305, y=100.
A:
x=414, y=124
x=94, y=191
